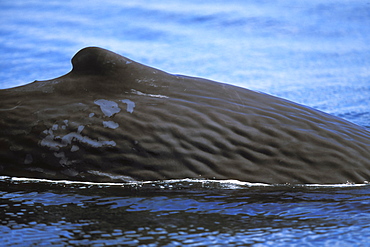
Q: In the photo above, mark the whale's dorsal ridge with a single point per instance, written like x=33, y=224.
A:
x=115, y=72
x=95, y=70
x=95, y=60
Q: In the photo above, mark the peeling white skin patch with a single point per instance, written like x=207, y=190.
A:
x=80, y=129
x=110, y=124
x=130, y=105
x=74, y=148
x=65, y=137
x=150, y=95
x=55, y=127
x=60, y=140
x=109, y=108
x=63, y=141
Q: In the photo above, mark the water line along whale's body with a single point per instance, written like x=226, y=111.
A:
x=112, y=119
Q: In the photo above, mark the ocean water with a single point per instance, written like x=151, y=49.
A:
x=182, y=213
x=316, y=53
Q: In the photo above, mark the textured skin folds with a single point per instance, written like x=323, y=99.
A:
x=112, y=119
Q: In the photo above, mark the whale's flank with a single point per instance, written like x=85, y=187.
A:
x=112, y=119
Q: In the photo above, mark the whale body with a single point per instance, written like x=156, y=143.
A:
x=113, y=119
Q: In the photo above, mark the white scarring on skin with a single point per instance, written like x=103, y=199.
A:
x=150, y=95
x=55, y=142
x=110, y=124
x=109, y=108
x=130, y=105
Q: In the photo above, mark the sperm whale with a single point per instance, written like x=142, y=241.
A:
x=113, y=119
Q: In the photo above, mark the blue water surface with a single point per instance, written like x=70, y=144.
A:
x=316, y=53
x=183, y=213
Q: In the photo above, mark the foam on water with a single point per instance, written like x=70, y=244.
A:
x=180, y=183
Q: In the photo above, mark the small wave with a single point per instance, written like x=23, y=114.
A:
x=175, y=184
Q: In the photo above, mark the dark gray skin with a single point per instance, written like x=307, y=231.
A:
x=112, y=119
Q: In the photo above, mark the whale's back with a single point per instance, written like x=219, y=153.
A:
x=113, y=119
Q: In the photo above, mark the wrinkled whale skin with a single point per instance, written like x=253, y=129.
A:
x=112, y=119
